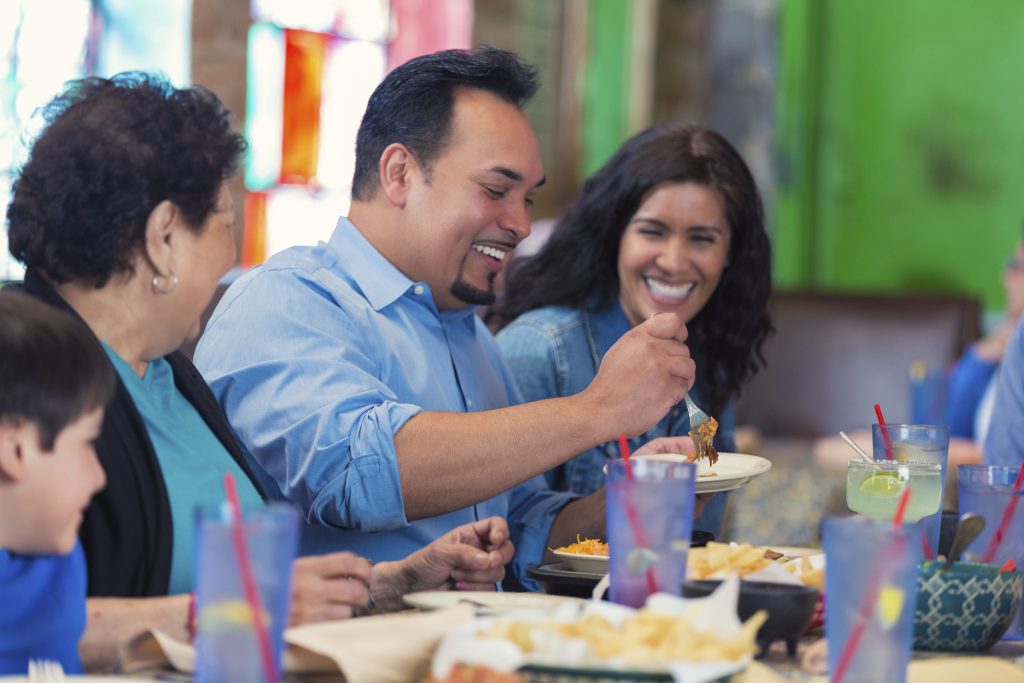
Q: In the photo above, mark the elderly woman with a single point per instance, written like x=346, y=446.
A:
x=671, y=224
x=122, y=215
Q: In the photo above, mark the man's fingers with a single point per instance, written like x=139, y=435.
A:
x=664, y=326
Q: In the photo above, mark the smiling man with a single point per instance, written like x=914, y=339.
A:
x=356, y=373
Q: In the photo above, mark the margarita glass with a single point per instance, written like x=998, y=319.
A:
x=873, y=489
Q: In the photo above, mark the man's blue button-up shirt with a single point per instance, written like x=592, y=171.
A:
x=319, y=357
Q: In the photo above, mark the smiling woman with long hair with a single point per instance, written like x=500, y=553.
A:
x=671, y=223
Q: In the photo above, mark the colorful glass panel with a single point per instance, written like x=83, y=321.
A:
x=305, y=52
x=264, y=110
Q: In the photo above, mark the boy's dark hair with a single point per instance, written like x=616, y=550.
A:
x=52, y=369
x=413, y=105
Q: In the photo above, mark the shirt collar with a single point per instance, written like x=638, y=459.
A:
x=379, y=280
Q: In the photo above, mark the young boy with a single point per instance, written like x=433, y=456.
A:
x=54, y=383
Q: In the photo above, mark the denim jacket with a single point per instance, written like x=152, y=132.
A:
x=556, y=351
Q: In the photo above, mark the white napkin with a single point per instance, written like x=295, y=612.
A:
x=391, y=648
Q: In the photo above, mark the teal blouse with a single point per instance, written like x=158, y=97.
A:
x=192, y=460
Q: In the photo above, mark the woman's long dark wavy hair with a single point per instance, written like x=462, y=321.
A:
x=578, y=266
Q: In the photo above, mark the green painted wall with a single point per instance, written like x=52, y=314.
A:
x=901, y=136
x=605, y=105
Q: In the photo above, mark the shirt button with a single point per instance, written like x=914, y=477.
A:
x=469, y=403
x=418, y=289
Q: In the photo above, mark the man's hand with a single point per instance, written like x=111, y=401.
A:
x=645, y=373
x=470, y=557
x=326, y=587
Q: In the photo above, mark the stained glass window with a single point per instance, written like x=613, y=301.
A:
x=45, y=43
x=311, y=69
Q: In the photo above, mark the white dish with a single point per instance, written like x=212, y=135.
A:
x=595, y=564
x=732, y=470
x=487, y=602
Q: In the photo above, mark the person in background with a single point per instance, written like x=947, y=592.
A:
x=672, y=223
x=55, y=383
x=395, y=418
x=1001, y=410
x=123, y=218
x=972, y=384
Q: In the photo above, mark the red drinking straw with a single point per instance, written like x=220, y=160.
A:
x=252, y=596
x=634, y=520
x=1004, y=523
x=885, y=432
x=874, y=588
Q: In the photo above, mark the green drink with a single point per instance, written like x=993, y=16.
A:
x=874, y=489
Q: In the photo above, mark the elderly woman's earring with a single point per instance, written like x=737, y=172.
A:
x=172, y=279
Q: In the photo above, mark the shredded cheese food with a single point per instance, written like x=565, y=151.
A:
x=586, y=546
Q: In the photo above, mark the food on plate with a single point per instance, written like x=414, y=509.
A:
x=702, y=437
x=716, y=560
x=586, y=546
x=806, y=572
x=644, y=638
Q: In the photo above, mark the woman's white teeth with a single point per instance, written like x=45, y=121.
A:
x=490, y=251
x=662, y=289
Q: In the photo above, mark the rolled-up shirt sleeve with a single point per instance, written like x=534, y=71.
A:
x=299, y=381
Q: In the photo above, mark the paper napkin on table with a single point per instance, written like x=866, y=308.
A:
x=390, y=648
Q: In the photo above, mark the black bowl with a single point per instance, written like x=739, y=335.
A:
x=556, y=577
x=790, y=608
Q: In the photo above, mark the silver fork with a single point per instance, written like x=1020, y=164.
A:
x=45, y=671
x=697, y=416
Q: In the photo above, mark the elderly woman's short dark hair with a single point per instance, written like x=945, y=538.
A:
x=111, y=151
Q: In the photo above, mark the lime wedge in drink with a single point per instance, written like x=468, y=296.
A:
x=226, y=614
x=882, y=485
x=890, y=605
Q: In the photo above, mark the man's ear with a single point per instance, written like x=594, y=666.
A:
x=13, y=455
x=397, y=167
x=160, y=226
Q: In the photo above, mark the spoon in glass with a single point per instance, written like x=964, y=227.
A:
x=854, y=446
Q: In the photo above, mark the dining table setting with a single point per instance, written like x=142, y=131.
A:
x=893, y=589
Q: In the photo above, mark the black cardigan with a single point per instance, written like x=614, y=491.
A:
x=126, y=531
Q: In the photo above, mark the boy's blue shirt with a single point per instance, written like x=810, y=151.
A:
x=42, y=609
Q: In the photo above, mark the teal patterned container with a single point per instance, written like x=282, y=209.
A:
x=967, y=608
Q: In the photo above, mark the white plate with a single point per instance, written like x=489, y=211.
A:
x=732, y=470
x=487, y=602
x=595, y=564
